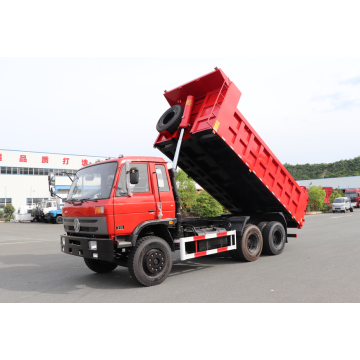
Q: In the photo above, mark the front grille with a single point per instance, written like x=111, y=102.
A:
x=88, y=225
x=83, y=221
x=85, y=228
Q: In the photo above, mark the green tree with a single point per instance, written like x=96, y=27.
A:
x=1, y=214
x=206, y=206
x=335, y=194
x=9, y=210
x=316, y=197
x=187, y=190
x=340, y=168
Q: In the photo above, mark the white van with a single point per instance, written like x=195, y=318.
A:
x=24, y=213
x=342, y=204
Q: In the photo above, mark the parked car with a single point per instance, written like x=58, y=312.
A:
x=342, y=204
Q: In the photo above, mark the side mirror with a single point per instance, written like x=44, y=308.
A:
x=134, y=176
x=52, y=192
x=51, y=179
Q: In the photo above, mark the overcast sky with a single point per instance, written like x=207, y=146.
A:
x=306, y=110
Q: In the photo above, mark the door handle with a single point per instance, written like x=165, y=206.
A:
x=151, y=210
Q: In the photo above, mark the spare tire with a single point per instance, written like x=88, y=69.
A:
x=171, y=119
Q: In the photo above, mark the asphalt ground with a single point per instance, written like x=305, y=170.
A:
x=321, y=265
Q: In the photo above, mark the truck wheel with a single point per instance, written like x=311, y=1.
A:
x=274, y=238
x=150, y=261
x=351, y=210
x=59, y=220
x=171, y=119
x=250, y=246
x=262, y=225
x=100, y=266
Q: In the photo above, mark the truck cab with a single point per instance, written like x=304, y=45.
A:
x=99, y=198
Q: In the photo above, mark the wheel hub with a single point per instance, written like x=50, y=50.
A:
x=252, y=243
x=154, y=261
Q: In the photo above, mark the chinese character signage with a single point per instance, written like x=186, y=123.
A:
x=45, y=159
x=23, y=158
x=84, y=162
x=0, y=157
x=66, y=161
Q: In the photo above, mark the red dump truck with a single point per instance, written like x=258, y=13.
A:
x=126, y=211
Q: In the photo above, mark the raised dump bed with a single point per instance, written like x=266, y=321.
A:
x=224, y=154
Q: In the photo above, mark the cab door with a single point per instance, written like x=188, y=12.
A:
x=163, y=191
x=131, y=211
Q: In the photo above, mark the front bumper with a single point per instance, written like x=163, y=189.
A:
x=79, y=246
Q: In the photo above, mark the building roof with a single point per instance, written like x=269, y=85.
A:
x=345, y=182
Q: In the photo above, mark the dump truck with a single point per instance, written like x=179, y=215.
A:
x=125, y=211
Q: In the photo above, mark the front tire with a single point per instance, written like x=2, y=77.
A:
x=150, y=261
x=100, y=266
x=351, y=210
x=274, y=238
x=250, y=246
x=59, y=220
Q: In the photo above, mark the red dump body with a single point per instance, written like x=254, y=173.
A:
x=224, y=154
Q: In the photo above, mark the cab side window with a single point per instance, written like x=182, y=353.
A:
x=162, y=179
x=141, y=187
x=143, y=184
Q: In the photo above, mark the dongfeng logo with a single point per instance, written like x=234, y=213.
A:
x=77, y=225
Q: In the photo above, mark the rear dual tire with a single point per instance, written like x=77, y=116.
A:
x=274, y=236
x=250, y=246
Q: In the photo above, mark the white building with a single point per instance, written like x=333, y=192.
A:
x=343, y=183
x=23, y=175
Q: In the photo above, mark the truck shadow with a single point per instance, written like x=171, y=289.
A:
x=58, y=275
x=202, y=263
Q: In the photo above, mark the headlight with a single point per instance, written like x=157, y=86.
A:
x=92, y=245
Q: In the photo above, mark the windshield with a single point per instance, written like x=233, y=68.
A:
x=352, y=194
x=94, y=182
x=339, y=200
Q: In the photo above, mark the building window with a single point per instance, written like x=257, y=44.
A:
x=34, y=171
x=3, y=202
x=34, y=200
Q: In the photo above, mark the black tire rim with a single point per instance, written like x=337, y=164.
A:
x=168, y=117
x=277, y=238
x=253, y=243
x=154, y=262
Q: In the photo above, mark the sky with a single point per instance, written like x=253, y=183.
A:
x=307, y=110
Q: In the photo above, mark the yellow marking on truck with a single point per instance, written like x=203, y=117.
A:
x=217, y=124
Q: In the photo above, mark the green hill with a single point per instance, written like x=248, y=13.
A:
x=318, y=171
